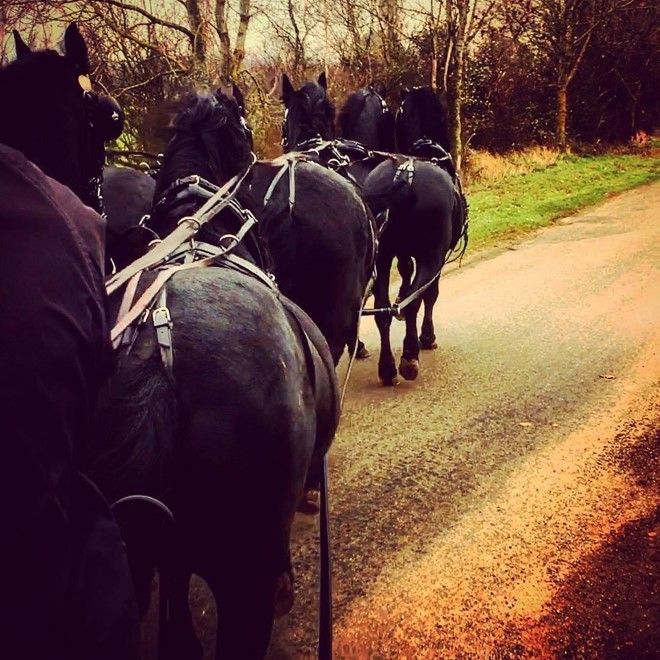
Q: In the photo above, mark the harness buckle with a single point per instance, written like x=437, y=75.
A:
x=161, y=317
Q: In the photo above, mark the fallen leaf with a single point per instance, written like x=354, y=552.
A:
x=526, y=424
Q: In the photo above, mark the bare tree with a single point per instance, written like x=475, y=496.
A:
x=562, y=30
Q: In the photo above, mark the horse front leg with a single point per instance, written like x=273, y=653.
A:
x=353, y=344
x=386, y=364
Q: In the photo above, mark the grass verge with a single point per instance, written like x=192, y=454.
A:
x=513, y=205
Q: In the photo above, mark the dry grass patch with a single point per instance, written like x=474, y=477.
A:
x=484, y=166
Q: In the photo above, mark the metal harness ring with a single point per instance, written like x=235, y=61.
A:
x=232, y=239
x=197, y=225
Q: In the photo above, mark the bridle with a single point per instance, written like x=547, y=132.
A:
x=95, y=105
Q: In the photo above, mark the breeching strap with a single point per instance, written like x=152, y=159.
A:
x=164, y=275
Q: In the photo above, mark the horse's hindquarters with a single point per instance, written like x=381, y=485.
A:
x=231, y=457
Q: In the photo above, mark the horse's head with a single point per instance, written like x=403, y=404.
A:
x=50, y=113
x=211, y=139
x=309, y=113
x=422, y=116
x=234, y=91
x=366, y=118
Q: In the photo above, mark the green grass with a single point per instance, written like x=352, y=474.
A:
x=515, y=205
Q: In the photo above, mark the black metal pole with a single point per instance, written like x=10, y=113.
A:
x=325, y=595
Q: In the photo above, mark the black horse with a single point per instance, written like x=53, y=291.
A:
x=226, y=441
x=81, y=169
x=310, y=114
x=366, y=118
x=128, y=195
x=309, y=117
x=419, y=205
x=66, y=591
x=122, y=195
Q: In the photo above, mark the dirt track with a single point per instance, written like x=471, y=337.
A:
x=506, y=503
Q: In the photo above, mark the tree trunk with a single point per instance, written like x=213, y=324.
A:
x=199, y=42
x=562, y=116
x=239, y=49
x=225, y=45
x=456, y=108
x=434, y=58
x=459, y=26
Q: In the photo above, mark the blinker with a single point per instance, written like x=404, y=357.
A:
x=85, y=83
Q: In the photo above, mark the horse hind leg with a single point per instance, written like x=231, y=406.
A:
x=406, y=267
x=247, y=599
x=386, y=365
x=177, y=639
x=409, y=364
x=427, y=339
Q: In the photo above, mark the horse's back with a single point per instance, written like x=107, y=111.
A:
x=323, y=249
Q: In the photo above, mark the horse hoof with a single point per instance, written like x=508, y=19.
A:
x=409, y=369
x=390, y=382
x=427, y=344
x=362, y=353
x=283, y=594
x=310, y=501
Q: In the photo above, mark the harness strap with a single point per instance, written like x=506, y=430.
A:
x=290, y=167
x=127, y=300
x=292, y=185
x=166, y=274
x=273, y=184
x=187, y=228
x=162, y=321
x=406, y=171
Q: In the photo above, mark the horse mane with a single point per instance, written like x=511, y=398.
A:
x=431, y=114
x=207, y=140
x=351, y=110
x=312, y=112
x=351, y=113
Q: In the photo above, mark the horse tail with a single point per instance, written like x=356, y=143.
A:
x=132, y=450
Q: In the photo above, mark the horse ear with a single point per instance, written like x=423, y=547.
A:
x=287, y=89
x=323, y=81
x=75, y=49
x=22, y=49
